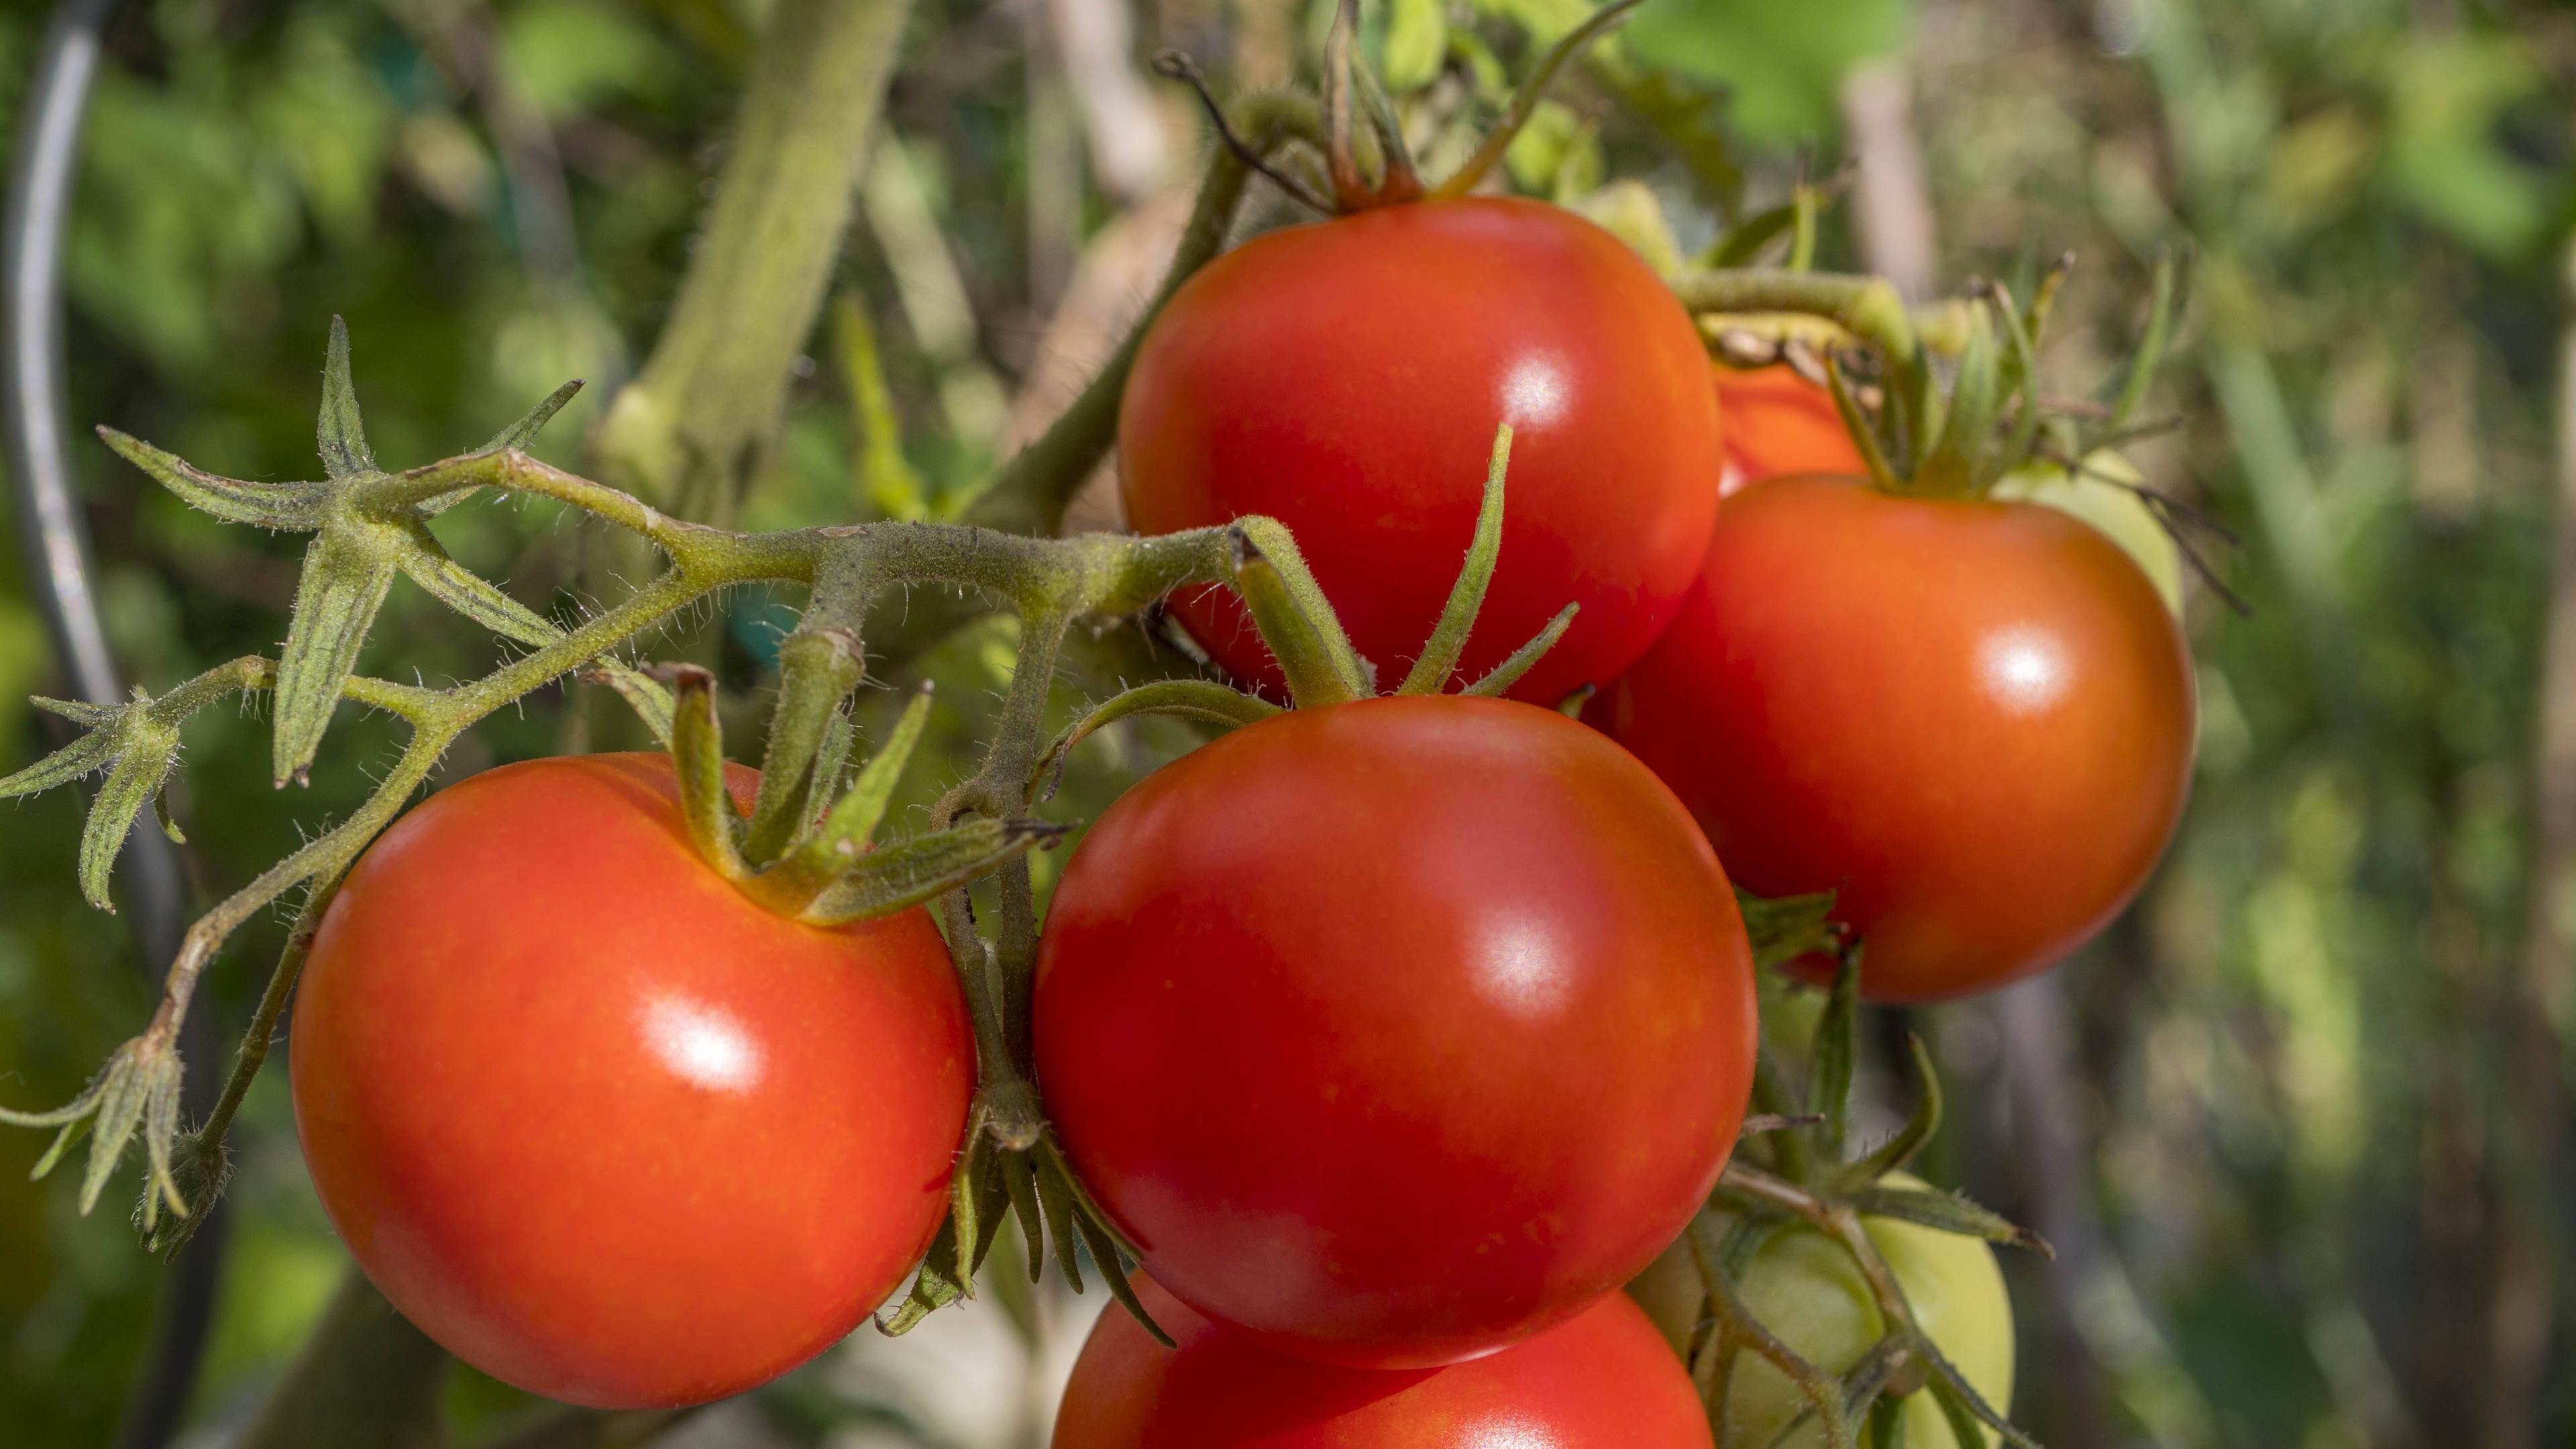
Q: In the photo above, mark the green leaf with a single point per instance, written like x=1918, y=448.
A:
x=344, y=584
x=1781, y=62
x=340, y=432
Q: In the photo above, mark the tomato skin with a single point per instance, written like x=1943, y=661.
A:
x=1973, y=720
x=1603, y=1377
x=1346, y=377
x=1397, y=1030
x=1808, y=1291
x=1780, y=425
x=597, y=1123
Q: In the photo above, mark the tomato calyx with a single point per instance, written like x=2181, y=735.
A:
x=827, y=874
x=1372, y=165
x=1796, y=1172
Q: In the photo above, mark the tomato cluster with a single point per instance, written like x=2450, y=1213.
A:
x=1394, y=1035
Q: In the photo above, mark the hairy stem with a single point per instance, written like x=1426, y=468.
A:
x=688, y=432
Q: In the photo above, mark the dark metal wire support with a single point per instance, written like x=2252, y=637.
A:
x=56, y=547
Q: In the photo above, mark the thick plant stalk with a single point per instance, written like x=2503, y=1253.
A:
x=685, y=436
x=365, y=1377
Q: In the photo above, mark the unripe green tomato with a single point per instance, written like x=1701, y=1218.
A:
x=1806, y=1289
x=2092, y=492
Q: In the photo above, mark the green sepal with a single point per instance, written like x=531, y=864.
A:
x=1897, y=1151
x=523, y=432
x=87, y=755
x=1019, y=1180
x=1743, y=245
x=426, y=562
x=1873, y=455
x=976, y=1197
x=1293, y=617
x=198, y=1171
x=698, y=758
x=1948, y=1383
x=1520, y=661
x=344, y=584
x=1430, y=673
x=296, y=507
x=852, y=820
x=1204, y=700
x=136, y=1093
x=1946, y=1212
x=1836, y=1056
x=883, y=882
x=147, y=749
x=340, y=432
x=1056, y=1202
x=1948, y=468
x=1783, y=929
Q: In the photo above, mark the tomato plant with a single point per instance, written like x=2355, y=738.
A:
x=1807, y=1290
x=595, y=1121
x=1777, y=424
x=1396, y=1030
x=1346, y=377
x=1600, y=1378
x=1970, y=719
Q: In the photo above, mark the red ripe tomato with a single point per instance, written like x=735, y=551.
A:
x=1397, y=1030
x=1780, y=425
x=1971, y=719
x=1347, y=378
x=1602, y=1378
x=597, y=1123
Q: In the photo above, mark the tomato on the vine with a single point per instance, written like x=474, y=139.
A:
x=599, y=1124
x=1970, y=719
x=1601, y=1378
x=1780, y=425
x=1396, y=1030
x=1808, y=1292
x=1347, y=377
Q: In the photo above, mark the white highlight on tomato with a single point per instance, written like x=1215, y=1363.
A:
x=1533, y=392
x=1517, y=968
x=2024, y=670
x=703, y=1045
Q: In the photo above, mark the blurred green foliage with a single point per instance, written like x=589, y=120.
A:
x=2286, y=1074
